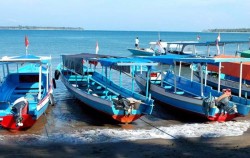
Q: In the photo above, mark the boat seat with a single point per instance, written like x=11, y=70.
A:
x=99, y=87
x=26, y=91
x=155, y=82
x=179, y=92
x=101, y=92
x=167, y=87
x=92, y=83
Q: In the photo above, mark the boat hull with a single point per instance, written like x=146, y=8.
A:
x=142, y=52
x=101, y=105
x=9, y=122
x=28, y=118
x=181, y=102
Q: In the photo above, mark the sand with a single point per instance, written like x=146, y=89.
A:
x=238, y=146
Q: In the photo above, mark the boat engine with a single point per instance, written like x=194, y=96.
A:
x=20, y=106
x=207, y=104
x=124, y=104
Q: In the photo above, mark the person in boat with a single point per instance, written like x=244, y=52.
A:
x=159, y=48
x=137, y=42
x=223, y=102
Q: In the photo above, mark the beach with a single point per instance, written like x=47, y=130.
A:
x=183, y=147
x=70, y=129
x=91, y=136
x=227, y=146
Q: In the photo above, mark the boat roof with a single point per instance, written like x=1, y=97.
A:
x=126, y=62
x=207, y=43
x=170, y=59
x=25, y=58
x=86, y=56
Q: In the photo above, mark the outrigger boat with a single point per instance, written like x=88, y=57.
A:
x=25, y=90
x=189, y=95
x=80, y=76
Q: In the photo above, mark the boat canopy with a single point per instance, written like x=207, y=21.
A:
x=26, y=58
x=208, y=43
x=75, y=62
x=170, y=59
x=167, y=59
x=232, y=68
x=126, y=62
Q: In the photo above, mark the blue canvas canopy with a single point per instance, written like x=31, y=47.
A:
x=75, y=61
x=26, y=58
x=208, y=43
x=126, y=62
x=170, y=59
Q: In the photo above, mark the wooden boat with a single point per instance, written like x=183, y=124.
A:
x=186, y=94
x=229, y=77
x=25, y=90
x=229, y=74
x=80, y=76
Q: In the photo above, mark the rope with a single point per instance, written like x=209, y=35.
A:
x=45, y=125
x=158, y=129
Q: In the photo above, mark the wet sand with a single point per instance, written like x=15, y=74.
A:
x=192, y=147
x=237, y=146
x=67, y=115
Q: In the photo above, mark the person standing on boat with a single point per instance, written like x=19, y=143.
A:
x=137, y=42
x=222, y=102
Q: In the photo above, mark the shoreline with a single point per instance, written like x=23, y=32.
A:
x=40, y=28
x=184, y=147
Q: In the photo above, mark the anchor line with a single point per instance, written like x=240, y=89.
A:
x=158, y=128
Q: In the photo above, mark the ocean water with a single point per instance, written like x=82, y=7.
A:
x=72, y=122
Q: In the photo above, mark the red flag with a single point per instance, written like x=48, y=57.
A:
x=26, y=41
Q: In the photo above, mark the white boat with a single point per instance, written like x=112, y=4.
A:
x=155, y=48
x=162, y=48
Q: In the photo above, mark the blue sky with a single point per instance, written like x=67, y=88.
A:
x=145, y=15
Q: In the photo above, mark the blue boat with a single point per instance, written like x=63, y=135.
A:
x=25, y=90
x=79, y=73
x=229, y=75
x=189, y=95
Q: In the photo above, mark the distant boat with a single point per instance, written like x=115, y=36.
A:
x=78, y=73
x=25, y=90
x=163, y=48
x=155, y=48
x=196, y=97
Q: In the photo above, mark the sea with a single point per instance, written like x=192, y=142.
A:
x=70, y=121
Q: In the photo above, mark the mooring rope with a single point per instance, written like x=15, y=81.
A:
x=158, y=128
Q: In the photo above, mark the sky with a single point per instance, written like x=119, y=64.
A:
x=128, y=15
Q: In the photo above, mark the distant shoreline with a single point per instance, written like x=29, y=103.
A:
x=38, y=28
x=228, y=30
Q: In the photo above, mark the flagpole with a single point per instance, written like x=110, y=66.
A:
x=96, y=48
x=26, y=41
